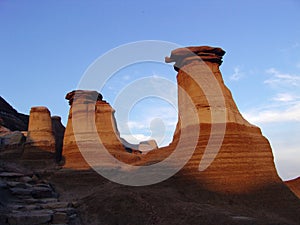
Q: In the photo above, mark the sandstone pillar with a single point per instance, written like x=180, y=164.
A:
x=85, y=105
x=244, y=160
x=40, y=127
x=40, y=141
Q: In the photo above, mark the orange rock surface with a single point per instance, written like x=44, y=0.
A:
x=40, y=127
x=235, y=156
x=91, y=122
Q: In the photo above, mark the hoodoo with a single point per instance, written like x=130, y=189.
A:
x=91, y=121
x=40, y=141
x=234, y=155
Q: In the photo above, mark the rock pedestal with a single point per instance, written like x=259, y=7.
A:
x=235, y=156
x=91, y=122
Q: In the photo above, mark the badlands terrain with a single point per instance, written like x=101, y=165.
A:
x=45, y=178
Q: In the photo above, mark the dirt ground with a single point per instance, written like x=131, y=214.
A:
x=173, y=201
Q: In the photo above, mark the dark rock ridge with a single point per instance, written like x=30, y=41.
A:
x=11, y=119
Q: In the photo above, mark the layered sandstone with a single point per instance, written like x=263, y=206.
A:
x=91, y=130
x=231, y=154
x=224, y=152
x=40, y=141
x=40, y=127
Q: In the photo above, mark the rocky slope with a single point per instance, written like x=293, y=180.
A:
x=173, y=201
x=28, y=199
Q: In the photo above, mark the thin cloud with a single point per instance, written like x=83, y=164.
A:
x=279, y=79
x=284, y=106
x=237, y=75
x=137, y=125
x=289, y=114
x=284, y=97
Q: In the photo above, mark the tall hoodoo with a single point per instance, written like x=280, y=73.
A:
x=244, y=160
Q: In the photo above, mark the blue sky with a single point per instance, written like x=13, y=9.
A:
x=46, y=46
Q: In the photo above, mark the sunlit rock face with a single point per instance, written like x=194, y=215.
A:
x=91, y=129
x=40, y=140
x=238, y=158
x=40, y=127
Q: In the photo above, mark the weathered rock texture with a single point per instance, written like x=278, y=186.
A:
x=39, y=148
x=11, y=139
x=95, y=123
x=244, y=161
x=40, y=133
x=238, y=158
x=29, y=200
x=35, y=141
x=235, y=157
x=10, y=118
x=13, y=127
x=11, y=143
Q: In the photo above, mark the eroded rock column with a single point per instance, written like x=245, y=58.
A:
x=244, y=160
x=40, y=141
x=81, y=130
